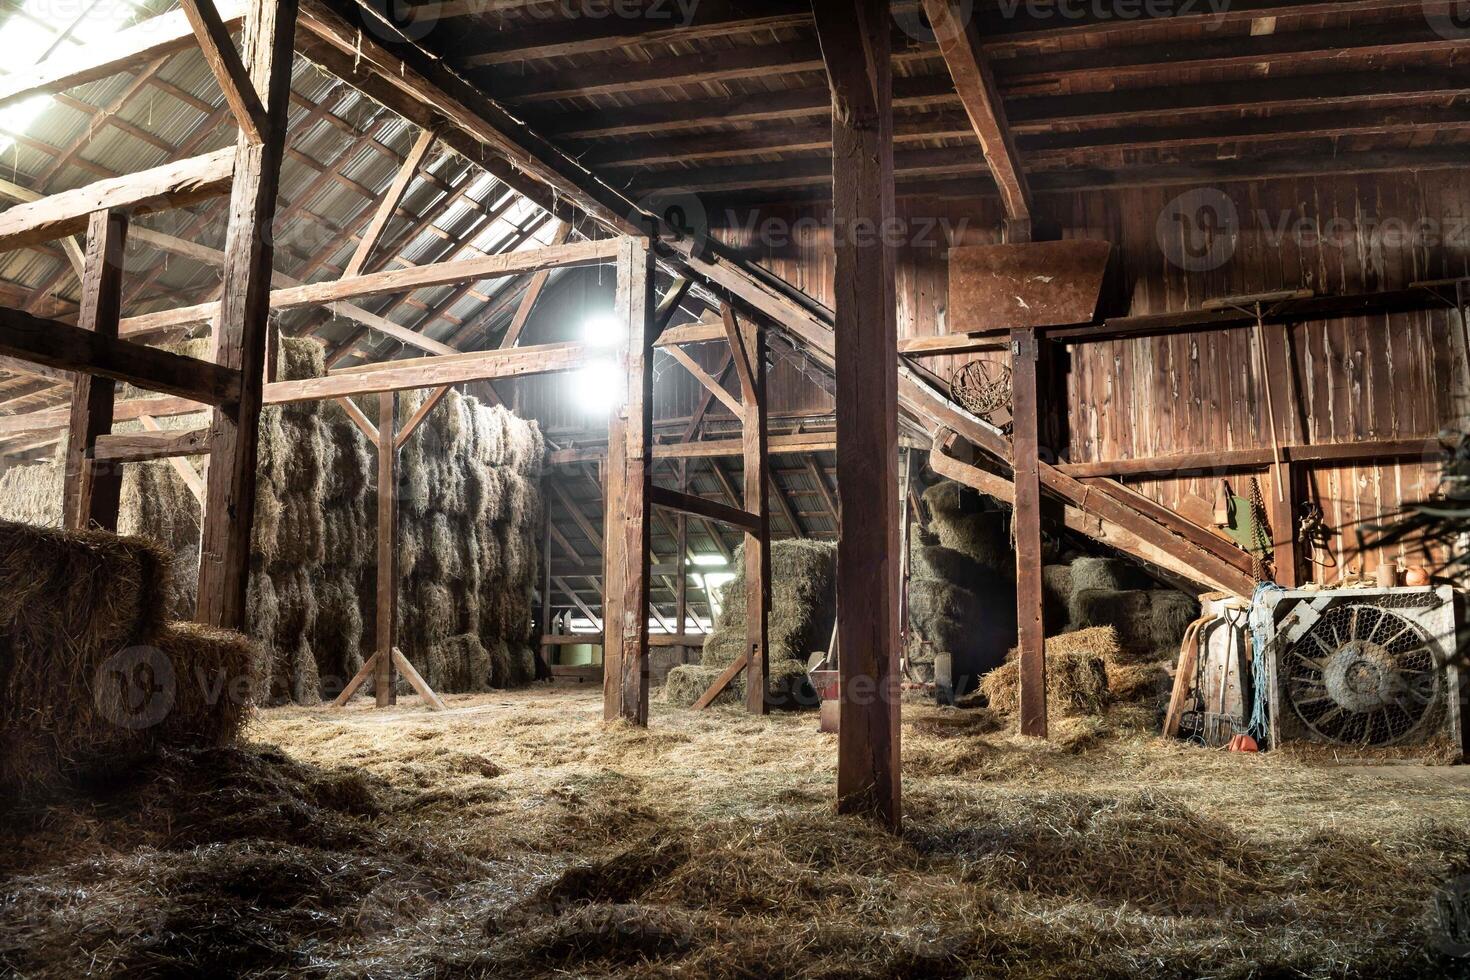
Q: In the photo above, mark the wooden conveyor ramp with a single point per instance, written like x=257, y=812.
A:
x=1102, y=509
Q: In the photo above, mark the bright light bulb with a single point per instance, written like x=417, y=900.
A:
x=597, y=388
x=709, y=561
x=600, y=330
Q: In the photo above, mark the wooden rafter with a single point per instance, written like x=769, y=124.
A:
x=389, y=203
x=959, y=43
x=225, y=64
x=395, y=281
x=136, y=45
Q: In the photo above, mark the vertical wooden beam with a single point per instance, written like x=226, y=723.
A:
x=240, y=333
x=1281, y=512
x=681, y=595
x=91, y=494
x=757, y=499
x=855, y=42
x=1285, y=493
x=1026, y=526
x=386, y=633
x=627, y=473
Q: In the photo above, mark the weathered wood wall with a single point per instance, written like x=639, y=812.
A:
x=1384, y=377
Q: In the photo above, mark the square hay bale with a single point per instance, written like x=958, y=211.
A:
x=1150, y=623
x=787, y=686
x=972, y=523
x=93, y=679
x=32, y=494
x=803, y=605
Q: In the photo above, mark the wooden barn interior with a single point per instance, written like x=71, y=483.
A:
x=733, y=488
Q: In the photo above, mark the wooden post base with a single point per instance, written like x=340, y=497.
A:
x=406, y=668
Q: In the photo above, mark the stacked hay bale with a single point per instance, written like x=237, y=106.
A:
x=154, y=501
x=342, y=581
x=471, y=510
x=1149, y=621
x=962, y=591
x=803, y=611
x=469, y=529
x=93, y=676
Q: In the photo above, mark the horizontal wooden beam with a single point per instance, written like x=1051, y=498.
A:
x=136, y=447
x=952, y=343
x=125, y=411
x=129, y=48
x=703, y=507
x=171, y=185
x=392, y=281
x=801, y=442
x=1241, y=317
x=60, y=345
x=431, y=372
x=349, y=311
x=1427, y=448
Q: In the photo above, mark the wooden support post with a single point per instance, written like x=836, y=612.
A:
x=92, y=489
x=855, y=42
x=545, y=576
x=627, y=478
x=757, y=542
x=229, y=512
x=386, y=633
x=1026, y=526
x=681, y=593
x=1281, y=512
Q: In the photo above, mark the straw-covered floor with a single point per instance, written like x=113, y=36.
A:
x=516, y=836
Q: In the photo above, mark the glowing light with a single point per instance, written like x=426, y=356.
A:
x=600, y=330
x=597, y=388
x=709, y=561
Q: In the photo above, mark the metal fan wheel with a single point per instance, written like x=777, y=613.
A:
x=1362, y=675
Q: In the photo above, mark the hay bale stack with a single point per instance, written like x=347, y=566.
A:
x=1150, y=623
x=803, y=609
x=974, y=524
x=469, y=543
x=82, y=624
x=962, y=592
x=471, y=513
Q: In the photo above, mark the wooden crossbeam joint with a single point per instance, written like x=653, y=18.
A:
x=224, y=62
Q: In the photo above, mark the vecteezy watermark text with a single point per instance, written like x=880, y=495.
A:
x=1200, y=230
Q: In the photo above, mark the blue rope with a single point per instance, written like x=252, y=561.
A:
x=1261, y=627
